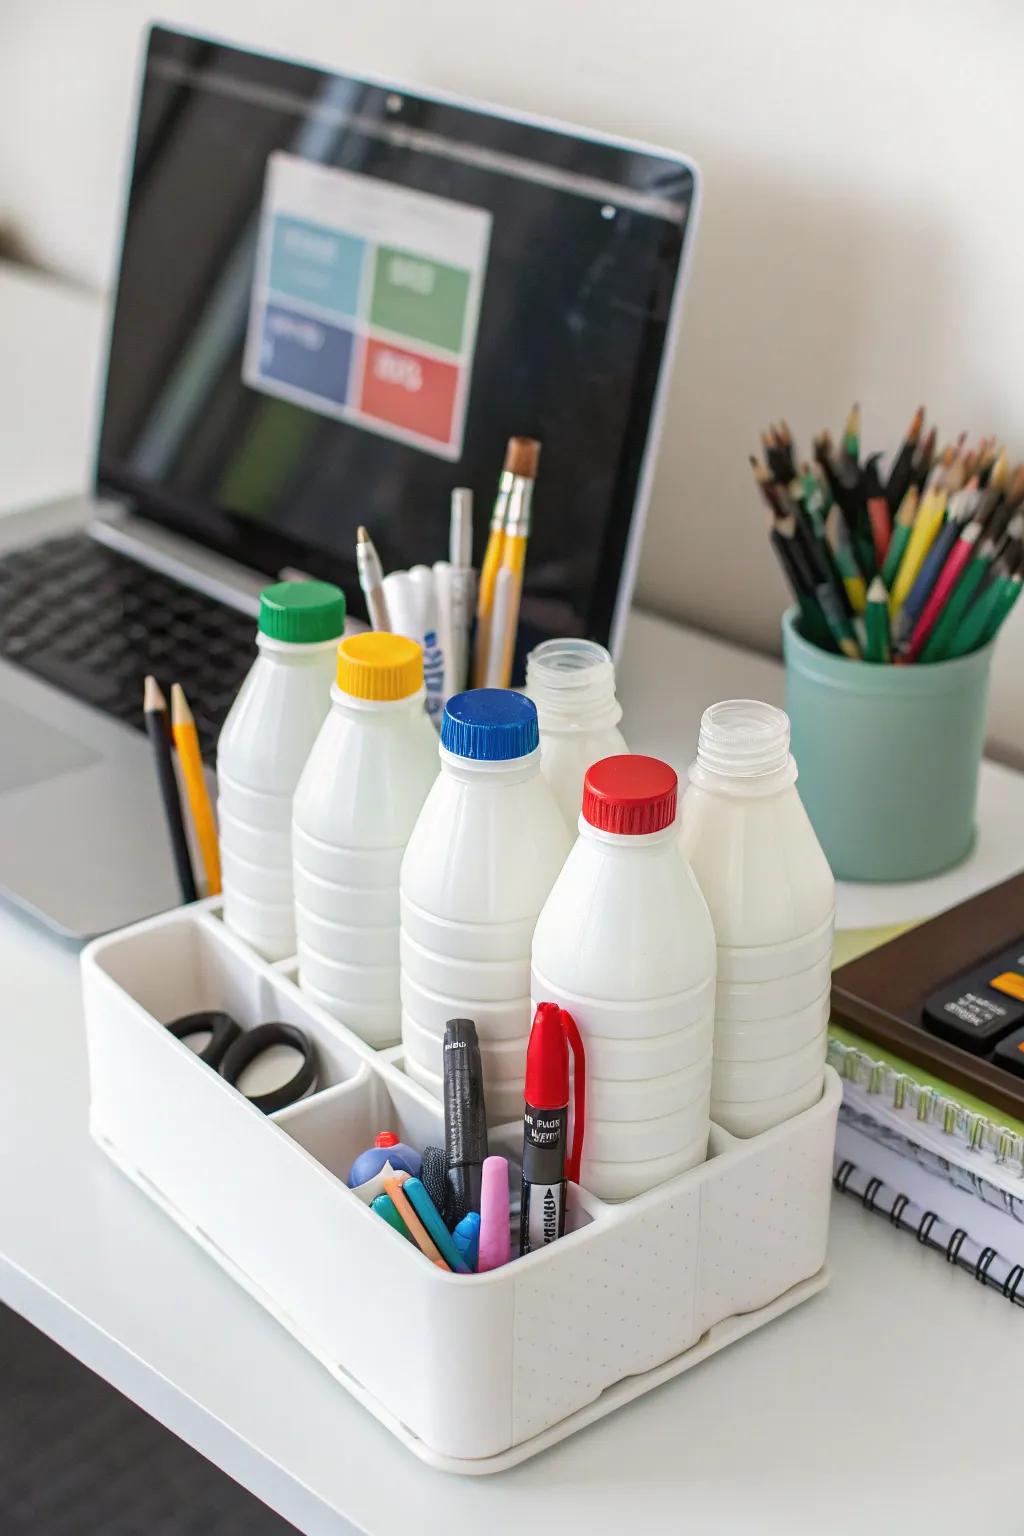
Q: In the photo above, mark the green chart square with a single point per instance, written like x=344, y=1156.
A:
x=419, y=298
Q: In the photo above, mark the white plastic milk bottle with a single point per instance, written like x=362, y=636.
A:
x=480, y=863
x=572, y=683
x=262, y=750
x=772, y=900
x=360, y=793
x=625, y=944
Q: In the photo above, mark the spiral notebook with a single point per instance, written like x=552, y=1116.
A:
x=933, y=1159
x=987, y=1240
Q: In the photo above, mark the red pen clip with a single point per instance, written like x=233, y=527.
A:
x=579, y=1107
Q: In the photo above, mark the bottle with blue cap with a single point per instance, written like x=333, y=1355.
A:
x=483, y=855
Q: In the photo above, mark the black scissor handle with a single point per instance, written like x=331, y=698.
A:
x=221, y=1027
x=253, y=1043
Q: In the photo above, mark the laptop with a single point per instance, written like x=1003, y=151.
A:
x=337, y=299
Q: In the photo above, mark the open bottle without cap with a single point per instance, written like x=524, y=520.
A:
x=261, y=753
x=360, y=793
x=772, y=899
x=625, y=944
x=478, y=867
x=572, y=683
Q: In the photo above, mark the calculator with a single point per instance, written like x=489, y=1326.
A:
x=982, y=1010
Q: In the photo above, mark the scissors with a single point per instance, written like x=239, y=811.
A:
x=230, y=1049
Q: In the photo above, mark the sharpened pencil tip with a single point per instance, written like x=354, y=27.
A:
x=362, y=537
x=181, y=714
x=152, y=696
x=877, y=592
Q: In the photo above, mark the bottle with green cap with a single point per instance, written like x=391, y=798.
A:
x=262, y=751
x=360, y=793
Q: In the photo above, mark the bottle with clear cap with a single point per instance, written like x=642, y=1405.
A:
x=480, y=862
x=772, y=899
x=625, y=944
x=572, y=683
x=262, y=750
x=360, y=793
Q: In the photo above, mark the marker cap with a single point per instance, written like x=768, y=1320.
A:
x=490, y=725
x=630, y=795
x=547, y=1060
x=302, y=612
x=379, y=666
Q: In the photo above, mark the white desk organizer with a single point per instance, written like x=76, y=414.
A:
x=472, y=1373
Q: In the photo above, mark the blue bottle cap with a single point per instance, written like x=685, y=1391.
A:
x=490, y=725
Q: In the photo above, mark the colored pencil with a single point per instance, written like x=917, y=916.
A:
x=937, y=643
x=947, y=586
x=960, y=508
x=158, y=729
x=900, y=534
x=186, y=743
x=978, y=619
x=846, y=560
x=898, y=483
x=851, y=435
x=876, y=623
x=926, y=526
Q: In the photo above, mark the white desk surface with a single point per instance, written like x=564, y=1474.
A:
x=886, y=1400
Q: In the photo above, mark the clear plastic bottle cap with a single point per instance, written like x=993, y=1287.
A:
x=743, y=739
x=572, y=680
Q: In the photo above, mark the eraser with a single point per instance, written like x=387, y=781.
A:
x=495, y=1241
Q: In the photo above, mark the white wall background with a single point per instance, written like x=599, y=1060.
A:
x=862, y=234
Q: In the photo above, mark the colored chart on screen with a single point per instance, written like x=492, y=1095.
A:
x=365, y=302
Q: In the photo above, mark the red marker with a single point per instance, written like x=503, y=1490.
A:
x=545, y=1125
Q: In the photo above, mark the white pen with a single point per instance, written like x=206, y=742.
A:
x=505, y=592
x=461, y=585
x=371, y=578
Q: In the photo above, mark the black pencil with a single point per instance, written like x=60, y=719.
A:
x=898, y=483
x=158, y=729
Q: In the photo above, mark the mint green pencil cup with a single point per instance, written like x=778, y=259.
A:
x=887, y=756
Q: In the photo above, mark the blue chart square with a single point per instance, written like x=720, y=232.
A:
x=308, y=354
x=315, y=265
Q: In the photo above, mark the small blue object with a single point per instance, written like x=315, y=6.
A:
x=466, y=1237
x=490, y=725
x=387, y=1149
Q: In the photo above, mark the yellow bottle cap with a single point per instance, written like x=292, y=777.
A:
x=379, y=666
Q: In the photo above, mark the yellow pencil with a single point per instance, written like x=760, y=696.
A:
x=186, y=741
x=922, y=536
x=513, y=560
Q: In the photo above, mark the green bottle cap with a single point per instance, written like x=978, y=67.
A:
x=302, y=612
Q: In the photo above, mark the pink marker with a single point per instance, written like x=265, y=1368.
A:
x=495, y=1242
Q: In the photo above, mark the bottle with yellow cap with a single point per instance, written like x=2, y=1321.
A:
x=357, y=801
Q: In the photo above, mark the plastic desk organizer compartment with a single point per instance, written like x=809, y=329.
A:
x=632, y=1295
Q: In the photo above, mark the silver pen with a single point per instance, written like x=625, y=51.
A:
x=371, y=577
x=462, y=584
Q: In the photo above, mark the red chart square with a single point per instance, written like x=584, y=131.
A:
x=409, y=390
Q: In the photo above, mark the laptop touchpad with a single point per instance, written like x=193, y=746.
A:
x=33, y=751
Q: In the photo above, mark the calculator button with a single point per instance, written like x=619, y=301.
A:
x=1010, y=982
x=1009, y=1053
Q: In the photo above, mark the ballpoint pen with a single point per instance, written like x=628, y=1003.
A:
x=371, y=577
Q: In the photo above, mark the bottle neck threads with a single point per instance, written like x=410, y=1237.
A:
x=572, y=683
x=744, y=741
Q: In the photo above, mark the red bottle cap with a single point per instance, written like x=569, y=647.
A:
x=385, y=1139
x=547, y=1060
x=630, y=795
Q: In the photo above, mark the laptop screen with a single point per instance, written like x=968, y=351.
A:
x=338, y=301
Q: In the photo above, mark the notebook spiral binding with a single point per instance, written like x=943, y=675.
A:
x=975, y=1131
x=985, y=1264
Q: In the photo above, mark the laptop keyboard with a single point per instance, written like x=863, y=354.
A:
x=94, y=622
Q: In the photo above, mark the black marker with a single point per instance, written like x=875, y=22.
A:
x=465, y=1119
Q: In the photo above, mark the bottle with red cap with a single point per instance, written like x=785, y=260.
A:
x=625, y=944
